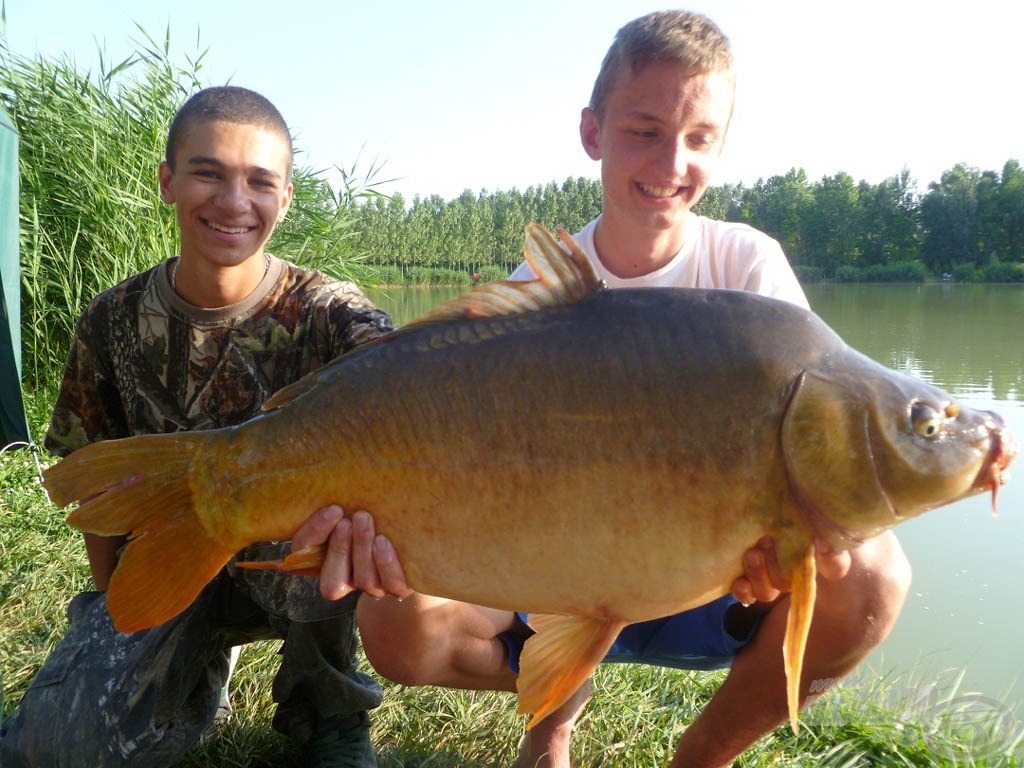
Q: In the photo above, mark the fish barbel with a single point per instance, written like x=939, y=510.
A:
x=601, y=457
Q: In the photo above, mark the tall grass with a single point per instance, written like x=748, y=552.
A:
x=89, y=147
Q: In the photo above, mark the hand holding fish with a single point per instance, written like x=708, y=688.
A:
x=763, y=580
x=355, y=557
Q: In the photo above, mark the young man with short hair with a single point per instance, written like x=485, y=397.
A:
x=199, y=341
x=657, y=122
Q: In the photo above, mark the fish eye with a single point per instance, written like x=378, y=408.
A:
x=925, y=420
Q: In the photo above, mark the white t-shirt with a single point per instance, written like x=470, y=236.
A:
x=716, y=254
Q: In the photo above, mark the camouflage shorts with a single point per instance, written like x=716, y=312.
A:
x=103, y=698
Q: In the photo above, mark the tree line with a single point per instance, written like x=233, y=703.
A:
x=968, y=225
x=90, y=215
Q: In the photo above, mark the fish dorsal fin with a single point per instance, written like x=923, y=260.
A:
x=563, y=277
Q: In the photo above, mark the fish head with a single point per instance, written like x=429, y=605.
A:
x=866, y=448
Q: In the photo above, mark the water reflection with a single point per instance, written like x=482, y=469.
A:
x=964, y=338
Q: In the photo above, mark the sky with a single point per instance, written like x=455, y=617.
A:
x=445, y=96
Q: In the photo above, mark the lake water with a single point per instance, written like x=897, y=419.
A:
x=961, y=616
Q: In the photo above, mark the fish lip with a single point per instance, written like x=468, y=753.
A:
x=1003, y=449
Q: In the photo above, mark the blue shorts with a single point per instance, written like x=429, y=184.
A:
x=694, y=639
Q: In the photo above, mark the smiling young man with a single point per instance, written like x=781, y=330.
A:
x=657, y=123
x=198, y=341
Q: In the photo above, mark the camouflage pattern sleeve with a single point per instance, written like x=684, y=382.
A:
x=354, y=319
x=339, y=315
x=88, y=407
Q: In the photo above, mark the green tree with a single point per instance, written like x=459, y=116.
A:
x=779, y=207
x=949, y=216
x=889, y=224
x=1011, y=206
x=829, y=224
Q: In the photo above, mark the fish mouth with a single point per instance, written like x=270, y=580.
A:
x=1003, y=449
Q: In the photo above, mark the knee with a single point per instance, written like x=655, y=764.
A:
x=399, y=643
x=865, y=605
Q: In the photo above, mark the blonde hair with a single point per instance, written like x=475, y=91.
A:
x=690, y=39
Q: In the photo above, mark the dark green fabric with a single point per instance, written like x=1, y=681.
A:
x=13, y=424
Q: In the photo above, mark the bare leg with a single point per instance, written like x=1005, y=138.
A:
x=852, y=615
x=426, y=640
x=547, y=745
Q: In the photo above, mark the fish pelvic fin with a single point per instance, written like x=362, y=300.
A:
x=559, y=658
x=798, y=626
x=564, y=276
x=139, y=487
x=302, y=562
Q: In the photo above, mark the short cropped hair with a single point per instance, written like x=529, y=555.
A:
x=690, y=39
x=231, y=104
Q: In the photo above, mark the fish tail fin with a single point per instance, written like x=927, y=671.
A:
x=139, y=487
x=798, y=625
x=559, y=658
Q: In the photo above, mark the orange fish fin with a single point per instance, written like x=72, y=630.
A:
x=559, y=658
x=139, y=596
x=139, y=487
x=118, y=468
x=798, y=625
x=563, y=277
x=302, y=562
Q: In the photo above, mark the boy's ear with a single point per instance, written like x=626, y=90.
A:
x=166, y=188
x=590, y=133
x=288, y=194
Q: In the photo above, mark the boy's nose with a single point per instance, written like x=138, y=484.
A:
x=674, y=158
x=232, y=196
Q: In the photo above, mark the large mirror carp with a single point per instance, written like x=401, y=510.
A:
x=599, y=456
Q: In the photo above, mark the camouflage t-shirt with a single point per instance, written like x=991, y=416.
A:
x=144, y=361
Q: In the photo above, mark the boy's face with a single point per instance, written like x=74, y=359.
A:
x=658, y=141
x=230, y=188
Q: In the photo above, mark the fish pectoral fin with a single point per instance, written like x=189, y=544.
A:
x=798, y=625
x=559, y=658
x=289, y=392
x=302, y=562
